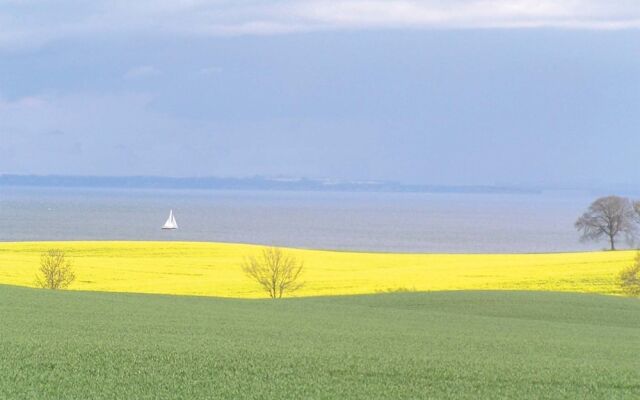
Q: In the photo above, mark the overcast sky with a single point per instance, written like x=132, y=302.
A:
x=436, y=91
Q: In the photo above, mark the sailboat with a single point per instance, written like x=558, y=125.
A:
x=171, y=222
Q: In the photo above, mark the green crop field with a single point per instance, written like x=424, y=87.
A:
x=472, y=344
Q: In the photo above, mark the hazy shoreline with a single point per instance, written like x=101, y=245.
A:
x=247, y=183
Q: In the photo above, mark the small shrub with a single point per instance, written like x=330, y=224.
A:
x=629, y=278
x=276, y=271
x=55, y=270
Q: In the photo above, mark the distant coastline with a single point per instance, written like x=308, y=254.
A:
x=251, y=183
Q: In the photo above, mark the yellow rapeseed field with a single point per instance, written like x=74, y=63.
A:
x=213, y=269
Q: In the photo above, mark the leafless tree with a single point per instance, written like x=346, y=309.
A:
x=55, y=270
x=276, y=271
x=608, y=217
x=629, y=278
x=636, y=208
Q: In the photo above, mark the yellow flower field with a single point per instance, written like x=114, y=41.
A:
x=213, y=269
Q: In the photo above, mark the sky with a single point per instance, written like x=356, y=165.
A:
x=454, y=92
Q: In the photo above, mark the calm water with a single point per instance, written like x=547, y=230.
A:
x=461, y=223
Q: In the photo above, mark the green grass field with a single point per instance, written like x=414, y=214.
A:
x=472, y=344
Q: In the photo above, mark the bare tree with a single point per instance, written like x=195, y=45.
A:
x=629, y=278
x=636, y=208
x=608, y=217
x=55, y=270
x=275, y=271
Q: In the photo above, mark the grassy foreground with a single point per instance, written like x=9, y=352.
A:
x=213, y=269
x=516, y=345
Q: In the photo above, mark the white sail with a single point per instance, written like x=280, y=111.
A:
x=171, y=222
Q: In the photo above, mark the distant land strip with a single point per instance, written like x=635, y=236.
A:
x=250, y=183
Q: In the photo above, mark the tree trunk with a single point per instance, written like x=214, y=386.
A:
x=613, y=243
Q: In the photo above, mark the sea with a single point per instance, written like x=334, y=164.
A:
x=381, y=222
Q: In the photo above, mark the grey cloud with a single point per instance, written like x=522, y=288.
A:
x=210, y=70
x=142, y=71
x=449, y=107
x=36, y=22
x=54, y=132
x=76, y=149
